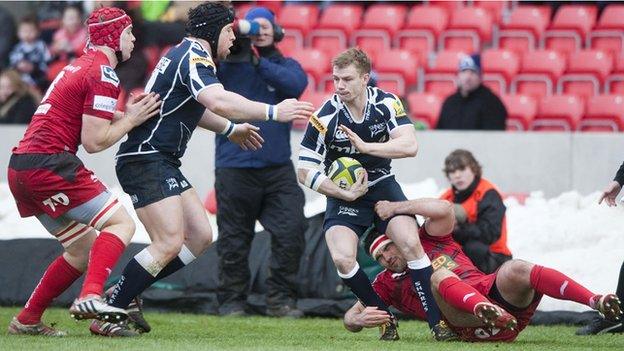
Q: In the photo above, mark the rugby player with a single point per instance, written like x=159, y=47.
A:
x=50, y=182
x=477, y=306
x=148, y=162
x=371, y=126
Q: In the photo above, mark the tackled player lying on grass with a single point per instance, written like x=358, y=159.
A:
x=476, y=306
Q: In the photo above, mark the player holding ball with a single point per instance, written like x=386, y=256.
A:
x=370, y=126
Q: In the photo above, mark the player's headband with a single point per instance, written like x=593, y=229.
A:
x=379, y=243
x=105, y=26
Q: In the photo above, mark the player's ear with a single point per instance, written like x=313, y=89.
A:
x=366, y=77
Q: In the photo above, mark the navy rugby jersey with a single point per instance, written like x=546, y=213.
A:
x=179, y=77
x=324, y=142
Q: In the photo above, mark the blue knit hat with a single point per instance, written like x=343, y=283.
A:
x=260, y=12
x=472, y=62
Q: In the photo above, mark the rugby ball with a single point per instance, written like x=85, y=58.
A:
x=344, y=171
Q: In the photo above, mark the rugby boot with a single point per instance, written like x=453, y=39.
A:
x=610, y=307
x=442, y=332
x=112, y=330
x=135, y=313
x=494, y=316
x=389, y=331
x=17, y=328
x=600, y=325
x=93, y=307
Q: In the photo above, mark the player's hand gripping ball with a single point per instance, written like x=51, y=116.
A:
x=344, y=171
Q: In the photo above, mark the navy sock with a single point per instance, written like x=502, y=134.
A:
x=134, y=280
x=175, y=265
x=361, y=287
x=422, y=283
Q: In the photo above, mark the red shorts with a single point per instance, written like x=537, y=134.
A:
x=50, y=183
x=484, y=285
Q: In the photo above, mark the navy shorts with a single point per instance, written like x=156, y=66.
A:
x=360, y=214
x=150, y=178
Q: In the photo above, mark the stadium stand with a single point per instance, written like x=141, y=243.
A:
x=558, y=113
x=539, y=72
x=604, y=113
x=521, y=111
x=586, y=71
x=469, y=29
x=424, y=108
x=570, y=26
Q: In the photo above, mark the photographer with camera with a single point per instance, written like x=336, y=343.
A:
x=259, y=185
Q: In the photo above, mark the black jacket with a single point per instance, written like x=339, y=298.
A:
x=480, y=110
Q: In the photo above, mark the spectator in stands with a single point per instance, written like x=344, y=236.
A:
x=7, y=39
x=30, y=56
x=17, y=105
x=69, y=40
x=480, y=224
x=474, y=106
x=259, y=185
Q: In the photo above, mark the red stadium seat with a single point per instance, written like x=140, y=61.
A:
x=313, y=61
x=586, y=71
x=521, y=111
x=332, y=42
x=371, y=42
x=392, y=83
x=608, y=35
x=502, y=62
x=423, y=25
x=399, y=62
x=274, y=5
x=604, y=113
x=468, y=28
x=611, y=17
x=242, y=8
x=495, y=8
x=292, y=42
x=559, y=113
x=449, y=6
x=572, y=23
x=299, y=17
x=424, y=107
x=381, y=22
x=538, y=71
x=524, y=29
x=495, y=82
x=441, y=76
x=344, y=17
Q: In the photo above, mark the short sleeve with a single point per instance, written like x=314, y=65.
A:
x=198, y=71
x=397, y=115
x=102, y=93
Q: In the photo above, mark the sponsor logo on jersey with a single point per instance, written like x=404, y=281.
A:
x=134, y=198
x=377, y=128
x=399, y=110
x=162, y=65
x=72, y=69
x=444, y=261
x=349, y=211
x=43, y=109
x=340, y=136
x=316, y=123
x=104, y=103
x=172, y=183
x=56, y=200
x=184, y=184
x=202, y=61
x=347, y=149
x=109, y=75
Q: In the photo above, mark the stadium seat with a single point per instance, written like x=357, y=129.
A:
x=468, y=28
x=495, y=8
x=345, y=17
x=331, y=41
x=441, y=76
x=614, y=84
x=292, y=42
x=424, y=107
x=298, y=17
x=567, y=31
x=608, y=35
x=392, y=83
x=521, y=111
x=524, y=29
x=538, y=71
x=423, y=25
x=586, y=71
x=449, y=6
x=495, y=82
x=399, y=62
x=604, y=113
x=313, y=61
x=500, y=62
x=559, y=113
x=381, y=22
x=242, y=8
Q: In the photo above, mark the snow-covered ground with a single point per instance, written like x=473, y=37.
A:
x=571, y=233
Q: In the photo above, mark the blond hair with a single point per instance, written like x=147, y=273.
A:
x=354, y=56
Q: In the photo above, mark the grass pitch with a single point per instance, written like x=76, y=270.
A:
x=173, y=331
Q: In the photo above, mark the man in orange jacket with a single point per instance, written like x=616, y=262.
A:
x=480, y=223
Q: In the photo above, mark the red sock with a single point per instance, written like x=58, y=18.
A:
x=57, y=278
x=556, y=284
x=104, y=254
x=460, y=295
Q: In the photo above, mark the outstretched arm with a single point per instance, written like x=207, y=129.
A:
x=244, y=135
x=439, y=213
x=358, y=317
